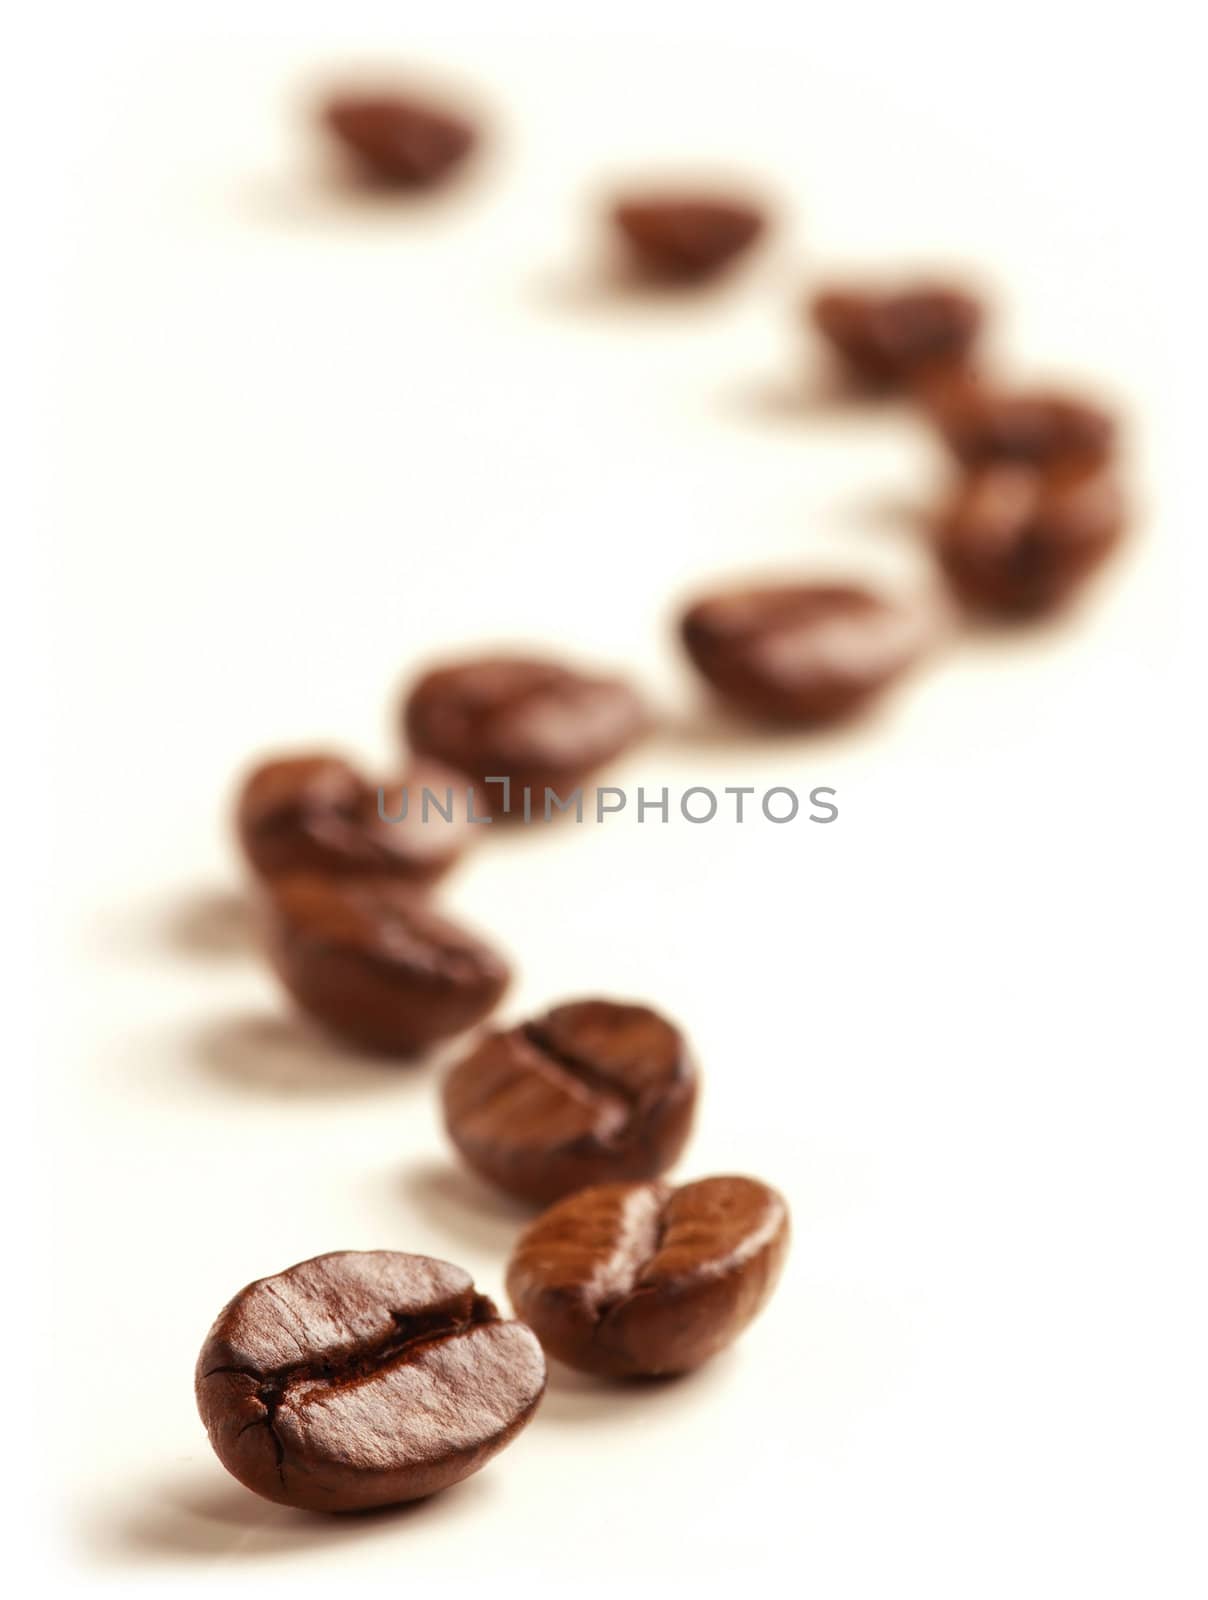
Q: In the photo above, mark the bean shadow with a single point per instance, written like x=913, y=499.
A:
x=210, y=925
x=331, y=195
x=886, y=515
x=705, y=727
x=814, y=392
x=477, y=1217
x=275, y=1055
x=611, y=284
x=985, y=637
x=201, y=1515
x=575, y=1398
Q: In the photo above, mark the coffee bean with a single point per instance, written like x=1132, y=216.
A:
x=533, y=722
x=1017, y=542
x=1038, y=427
x=687, y=237
x=801, y=653
x=399, y=141
x=887, y=337
x=592, y=1092
x=318, y=814
x=362, y=1379
x=641, y=1280
x=371, y=962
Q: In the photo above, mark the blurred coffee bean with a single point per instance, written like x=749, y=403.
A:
x=1016, y=542
x=592, y=1092
x=983, y=424
x=801, y=653
x=687, y=237
x=369, y=960
x=643, y=1280
x=318, y=814
x=534, y=723
x=400, y=141
x=888, y=337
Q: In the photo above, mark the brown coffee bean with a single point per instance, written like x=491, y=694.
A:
x=400, y=141
x=318, y=814
x=887, y=337
x=642, y=1280
x=592, y=1092
x=371, y=962
x=801, y=653
x=1017, y=542
x=1038, y=428
x=687, y=237
x=363, y=1379
x=535, y=723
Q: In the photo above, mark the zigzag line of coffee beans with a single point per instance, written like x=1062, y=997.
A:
x=365, y=1379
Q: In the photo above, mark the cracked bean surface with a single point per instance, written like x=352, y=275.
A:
x=1015, y=542
x=886, y=336
x=371, y=962
x=363, y=1379
x=398, y=140
x=802, y=654
x=593, y=1091
x=535, y=723
x=686, y=237
x=316, y=813
x=646, y=1280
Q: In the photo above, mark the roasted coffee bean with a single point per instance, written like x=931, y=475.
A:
x=535, y=723
x=687, y=237
x=592, y=1092
x=888, y=337
x=363, y=1379
x=318, y=814
x=371, y=962
x=1033, y=427
x=801, y=653
x=400, y=141
x=1018, y=542
x=641, y=1280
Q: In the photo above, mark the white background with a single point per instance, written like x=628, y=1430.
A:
x=286, y=445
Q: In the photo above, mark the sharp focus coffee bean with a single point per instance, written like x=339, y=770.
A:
x=532, y=722
x=400, y=141
x=318, y=814
x=363, y=1379
x=685, y=237
x=1017, y=542
x=889, y=337
x=592, y=1092
x=1033, y=427
x=643, y=1280
x=372, y=963
x=801, y=653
